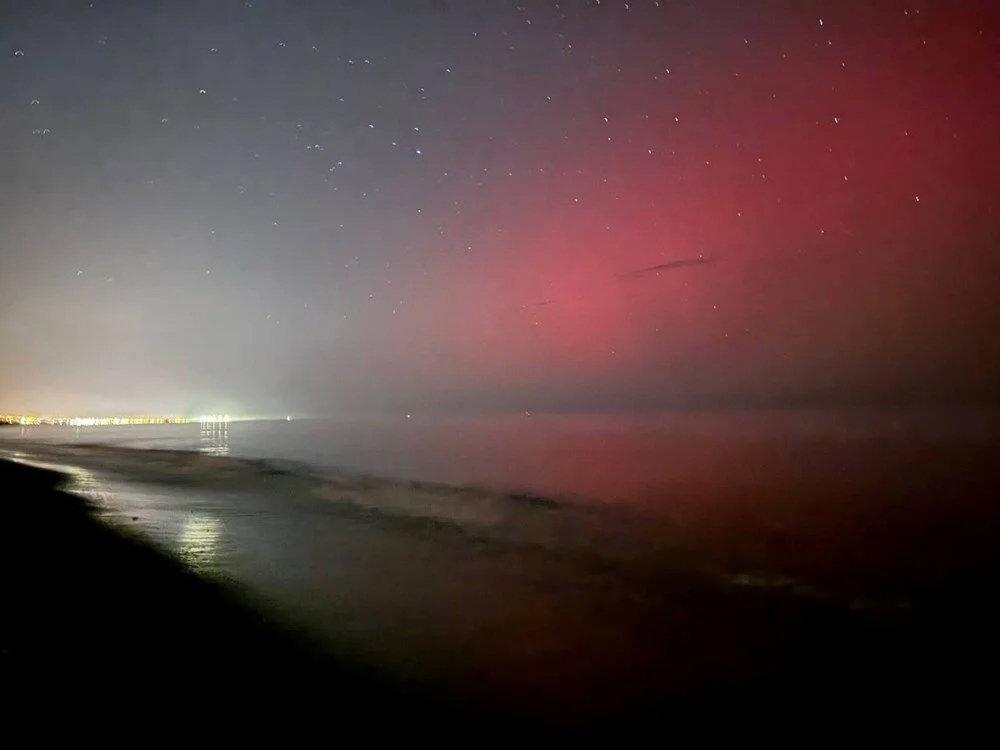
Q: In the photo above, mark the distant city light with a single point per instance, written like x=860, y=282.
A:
x=214, y=419
x=29, y=420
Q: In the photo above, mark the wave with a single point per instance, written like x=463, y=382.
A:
x=519, y=518
x=597, y=539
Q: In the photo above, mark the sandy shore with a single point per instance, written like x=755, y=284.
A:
x=95, y=618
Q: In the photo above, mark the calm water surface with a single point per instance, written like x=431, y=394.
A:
x=580, y=563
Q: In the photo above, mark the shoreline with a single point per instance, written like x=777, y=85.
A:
x=94, y=616
x=89, y=604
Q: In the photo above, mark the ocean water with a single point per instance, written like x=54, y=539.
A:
x=583, y=564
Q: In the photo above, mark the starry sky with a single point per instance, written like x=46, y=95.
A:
x=436, y=207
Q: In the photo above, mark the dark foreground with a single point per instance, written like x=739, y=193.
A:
x=97, y=621
x=94, y=621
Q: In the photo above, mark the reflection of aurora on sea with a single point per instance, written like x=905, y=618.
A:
x=542, y=592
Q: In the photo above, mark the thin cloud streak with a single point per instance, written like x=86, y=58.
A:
x=670, y=266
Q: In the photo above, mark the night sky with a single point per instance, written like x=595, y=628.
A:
x=436, y=207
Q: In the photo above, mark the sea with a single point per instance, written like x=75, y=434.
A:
x=570, y=564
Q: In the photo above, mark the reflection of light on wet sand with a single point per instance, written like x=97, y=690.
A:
x=81, y=481
x=198, y=540
x=214, y=438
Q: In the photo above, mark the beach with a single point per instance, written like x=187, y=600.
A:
x=178, y=572
x=97, y=620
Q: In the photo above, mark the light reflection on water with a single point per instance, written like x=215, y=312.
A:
x=193, y=537
x=81, y=482
x=197, y=542
x=214, y=438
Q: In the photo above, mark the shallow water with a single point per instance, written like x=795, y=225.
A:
x=580, y=564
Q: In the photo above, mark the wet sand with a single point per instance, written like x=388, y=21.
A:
x=95, y=620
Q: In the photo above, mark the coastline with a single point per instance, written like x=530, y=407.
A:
x=91, y=605
x=95, y=618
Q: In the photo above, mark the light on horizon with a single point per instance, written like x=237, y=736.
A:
x=214, y=419
x=32, y=420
